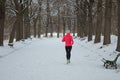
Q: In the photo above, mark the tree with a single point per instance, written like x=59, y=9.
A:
x=27, y=28
x=16, y=25
x=58, y=6
x=74, y=27
x=39, y=18
x=81, y=17
x=51, y=26
x=99, y=22
x=118, y=41
x=2, y=19
x=90, y=19
x=64, y=24
x=58, y=25
x=35, y=29
x=78, y=18
x=107, y=26
x=48, y=18
x=17, y=30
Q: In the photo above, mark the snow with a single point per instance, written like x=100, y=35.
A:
x=44, y=59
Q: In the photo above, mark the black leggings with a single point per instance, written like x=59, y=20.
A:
x=68, y=52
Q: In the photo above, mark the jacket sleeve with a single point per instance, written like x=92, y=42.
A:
x=63, y=39
x=72, y=41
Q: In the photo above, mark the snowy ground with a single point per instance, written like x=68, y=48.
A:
x=44, y=59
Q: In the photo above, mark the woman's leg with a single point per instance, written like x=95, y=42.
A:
x=68, y=52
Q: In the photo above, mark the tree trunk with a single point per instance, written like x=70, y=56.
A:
x=107, y=27
x=78, y=26
x=118, y=41
x=48, y=16
x=12, y=34
x=74, y=26
x=51, y=25
x=17, y=23
x=39, y=24
x=39, y=30
x=90, y=28
x=63, y=26
x=2, y=19
x=78, y=18
x=58, y=26
x=99, y=22
x=18, y=28
x=26, y=22
x=21, y=22
x=35, y=21
x=39, y=18
x=82, y=14
x=39, y=27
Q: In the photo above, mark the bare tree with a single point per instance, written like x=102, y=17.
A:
x=64, y=20
x=48, y=17
x=90, y=20
x=2, y=19
x=81, y=12
x=99, y=22
x=58, y=26
x=39, y=18
x=118, y=42
x=107, y=27
x=27, y=19
x=51, y=26
x=58, y=5
x=18, y=24
x=35, y=28
x=78, y=17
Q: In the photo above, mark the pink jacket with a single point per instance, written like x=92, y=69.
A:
x=68, y=39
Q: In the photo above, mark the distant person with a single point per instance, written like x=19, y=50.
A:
x=68, y=39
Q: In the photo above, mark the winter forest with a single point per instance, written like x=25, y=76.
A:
x=20, y=19
x=92, y=23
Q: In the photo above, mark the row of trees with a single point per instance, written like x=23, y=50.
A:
x=98, y=18
x=24, y=18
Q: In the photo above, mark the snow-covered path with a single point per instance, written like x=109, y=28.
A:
x=44, y=59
